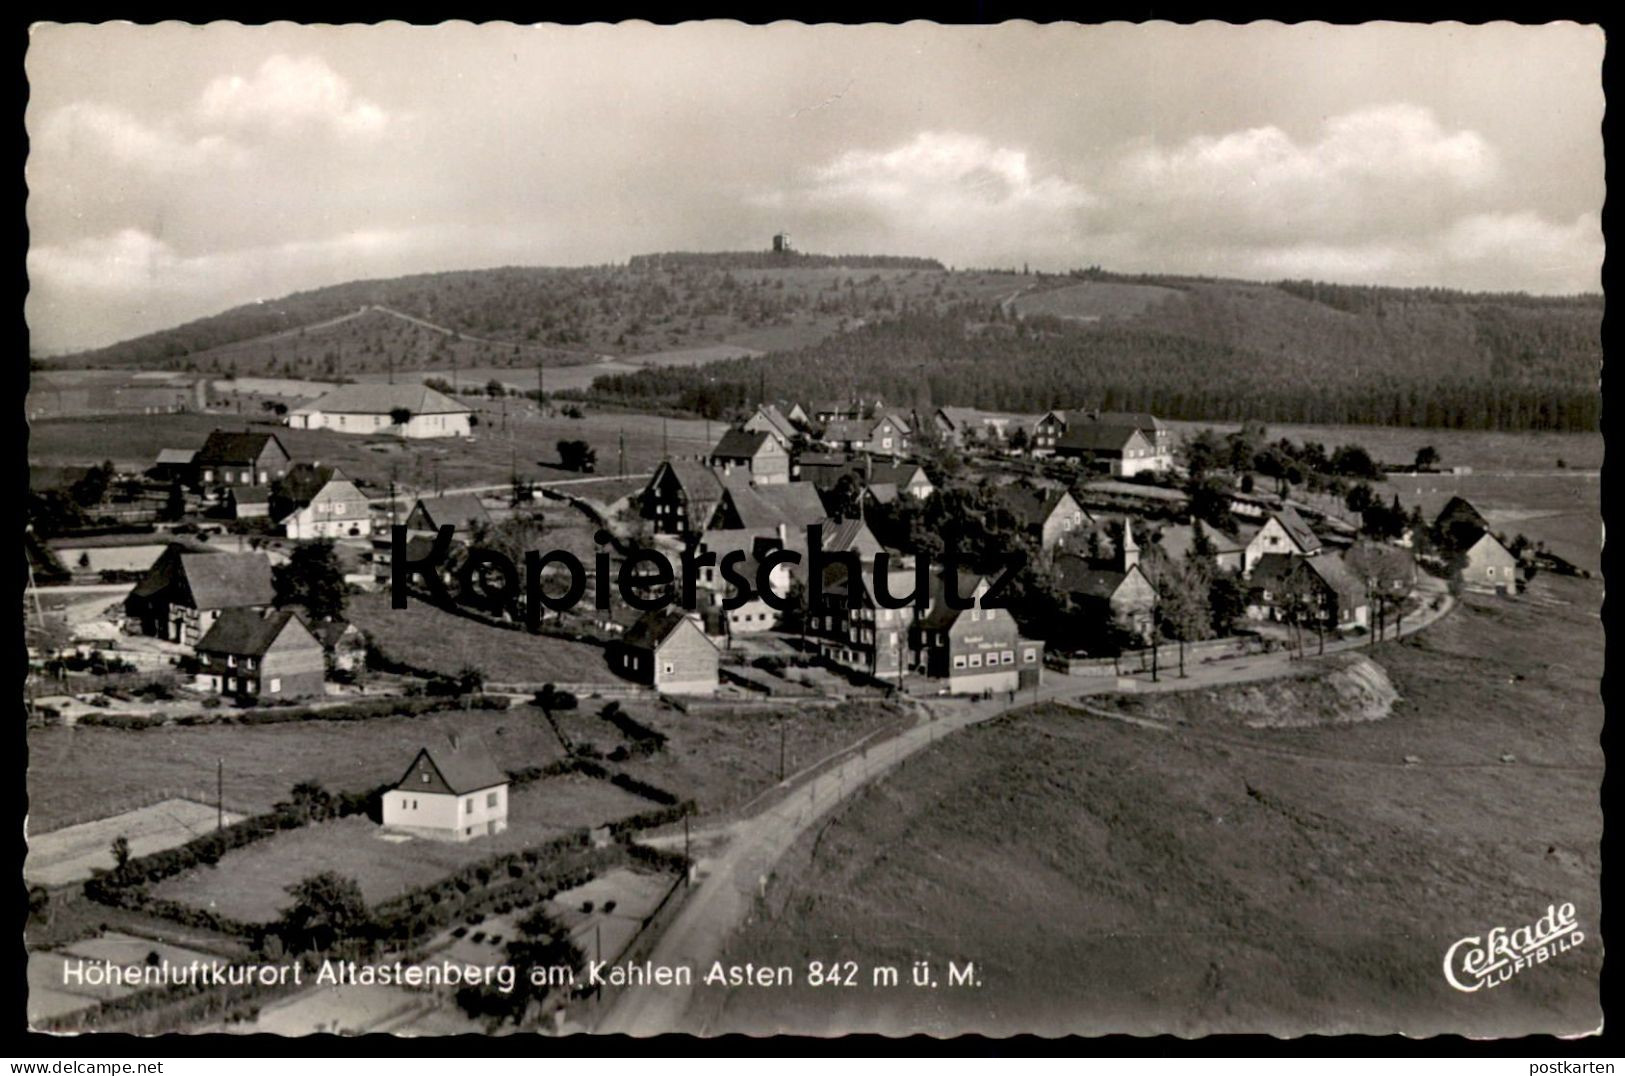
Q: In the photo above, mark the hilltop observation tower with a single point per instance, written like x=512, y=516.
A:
x=781, y=244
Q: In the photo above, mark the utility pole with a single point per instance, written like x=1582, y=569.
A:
x=781, y=750
x=219, y=794
x=621, y=456
x=665, y=449
x=688, y=862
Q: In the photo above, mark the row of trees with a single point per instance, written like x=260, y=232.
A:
x=1153, y=362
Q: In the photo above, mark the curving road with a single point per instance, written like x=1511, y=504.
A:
x=750, y=848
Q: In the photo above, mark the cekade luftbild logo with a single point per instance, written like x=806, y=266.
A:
x=1475, y=962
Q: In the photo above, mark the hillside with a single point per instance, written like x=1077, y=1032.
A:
x=519, y=317
x=1195, y=873
x=1199, y=349
x=918, y=335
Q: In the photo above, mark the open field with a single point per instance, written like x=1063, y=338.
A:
x=1482, y=450
x=723, y=757
x=69, y=854
x=251, y=883
x=1093, y=299
x=429, y=638
x=50, y=995
x=529, y=443
x=72, y=775
x=1195, y=878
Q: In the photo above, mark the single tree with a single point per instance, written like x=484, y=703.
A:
x=121, y=851
x=400, y=416
x=1427, y=457
x=312, y=578
x=328, y=911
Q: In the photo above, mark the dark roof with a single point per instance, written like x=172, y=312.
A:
x=248, y=632
x=304, y=480
x=1297, y=529
x=1078, y=575
x=461, y=510
x=654, y=628
x=941, y=616
x=794, y=504
x=239, y=448
x=329, y=632
x=1096, y=436
x=1336, y=575
x=736, y=443
x=1461, y=510
x=898, y=474
x=849, y=429
x=1030, y=506
x=227, y=580
x=1272, y=568
x=699, y=481
x=466, y=767
x=175, y=455
x=249, y=494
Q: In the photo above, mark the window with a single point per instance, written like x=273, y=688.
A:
x=338, y=507
x=667, y=668
x=1029, y=655
x=248, y=663
x=425, y=776
x=490, y=799
x=468, y=805
x=959, y=661
x=1007, y=658
x=976, y=661
x=231, y=661
x=276, y=685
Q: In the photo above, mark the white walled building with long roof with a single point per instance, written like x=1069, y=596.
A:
x=373, y=408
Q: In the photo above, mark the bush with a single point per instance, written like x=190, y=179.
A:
x=212, y=702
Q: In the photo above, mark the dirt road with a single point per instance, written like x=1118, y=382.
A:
x=734, y=877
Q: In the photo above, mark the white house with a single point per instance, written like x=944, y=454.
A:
x=371, y=408
x=320, y=502
x=1284, y=532
x=452, y=791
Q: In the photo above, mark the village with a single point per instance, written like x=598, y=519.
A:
x=840, y=551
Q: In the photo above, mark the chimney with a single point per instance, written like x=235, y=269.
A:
x=455, y=743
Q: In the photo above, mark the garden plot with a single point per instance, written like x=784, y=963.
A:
x=68, y=855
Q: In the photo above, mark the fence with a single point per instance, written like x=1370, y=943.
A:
x=1166, y=656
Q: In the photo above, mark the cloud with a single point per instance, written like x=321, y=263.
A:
x=79, y=130
x=941, y=190
x=1386, y=169
x=289, y=93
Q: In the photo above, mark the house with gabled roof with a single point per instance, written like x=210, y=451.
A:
x=1458, y=525
x=1486, y=565
x=886, y=434
x=754, y=452
x=185, y=591
x=767, y=418
x=371, y=408
x=680, y=497
x=973, y=649
x=1284, y=531
x=240, y=458
x=1115, y=589
x=964, y=426
x=314, y=501
x=463, y=512
x=738, y=555
x=1327, y=589
x=452, y=791
x=743, y=504
x=668, y=650
x=1049, y=516
x=253, y=653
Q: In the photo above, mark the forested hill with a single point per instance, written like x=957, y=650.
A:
x=521, y=316
x=1198, y=349
x=779, y=259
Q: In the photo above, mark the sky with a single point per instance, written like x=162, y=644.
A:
x=176, y=171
